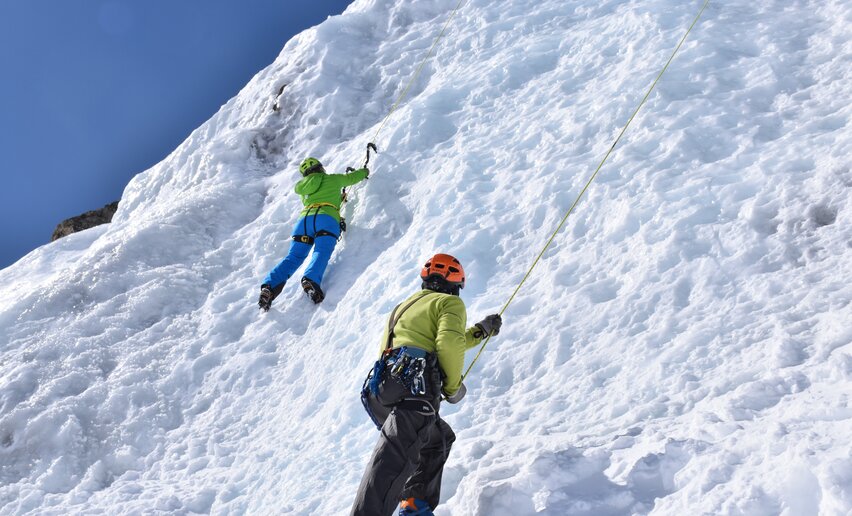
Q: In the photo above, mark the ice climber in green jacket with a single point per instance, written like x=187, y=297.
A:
x=319, y=227
x=422, y=355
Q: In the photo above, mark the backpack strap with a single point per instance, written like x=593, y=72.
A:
x=394, y=318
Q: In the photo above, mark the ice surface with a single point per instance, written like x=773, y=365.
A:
x=683, y=348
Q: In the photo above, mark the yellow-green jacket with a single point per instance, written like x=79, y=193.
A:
x=325, y=189
x=436, y=323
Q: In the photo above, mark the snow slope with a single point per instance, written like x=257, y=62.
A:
x=683, y=348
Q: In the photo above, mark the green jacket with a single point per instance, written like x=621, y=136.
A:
x=325, y=188
x=436, y=323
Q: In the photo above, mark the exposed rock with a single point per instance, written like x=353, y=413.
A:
x=277, y=106
x=87, y=220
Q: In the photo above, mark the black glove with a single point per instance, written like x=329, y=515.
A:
x=488, y=326
x=457, y=397
x=368, y=173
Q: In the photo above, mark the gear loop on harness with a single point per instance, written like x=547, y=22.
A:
x=305, y=238
x=376, y=375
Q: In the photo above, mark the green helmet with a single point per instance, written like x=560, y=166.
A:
x=310, y=166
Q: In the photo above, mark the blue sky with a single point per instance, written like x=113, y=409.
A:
x=96, y=91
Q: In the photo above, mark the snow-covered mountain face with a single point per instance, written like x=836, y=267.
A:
x=683, y=348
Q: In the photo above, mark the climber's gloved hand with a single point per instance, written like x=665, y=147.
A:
x=349, y=170
x=457, y=396
x=488, y=326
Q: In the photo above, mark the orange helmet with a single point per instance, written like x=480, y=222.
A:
x=445, y=266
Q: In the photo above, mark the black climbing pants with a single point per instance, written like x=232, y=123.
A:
x=409, y=457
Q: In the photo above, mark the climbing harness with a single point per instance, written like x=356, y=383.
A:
x=588, y=183
x=305, y=238
x=319, y=205
x=406, y=361
x=406, y=365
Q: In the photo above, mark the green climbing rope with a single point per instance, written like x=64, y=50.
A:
x=588, y=183
x=404, y=93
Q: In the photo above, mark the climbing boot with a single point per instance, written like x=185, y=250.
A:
x=414, y=507
x=265, y=301
x=313, y=290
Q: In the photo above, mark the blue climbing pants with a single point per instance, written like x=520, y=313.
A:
x=323, y=247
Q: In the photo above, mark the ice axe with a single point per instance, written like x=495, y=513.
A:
x=370, y=145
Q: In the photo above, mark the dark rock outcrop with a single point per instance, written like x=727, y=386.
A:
x=87, y=220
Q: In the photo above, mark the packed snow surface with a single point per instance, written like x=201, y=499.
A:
x=682, y=348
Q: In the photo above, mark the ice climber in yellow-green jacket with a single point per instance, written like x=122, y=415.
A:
x=422, y=355
x=319, y=227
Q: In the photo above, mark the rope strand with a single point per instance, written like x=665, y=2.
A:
x=402, y=95
x=589, y=182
